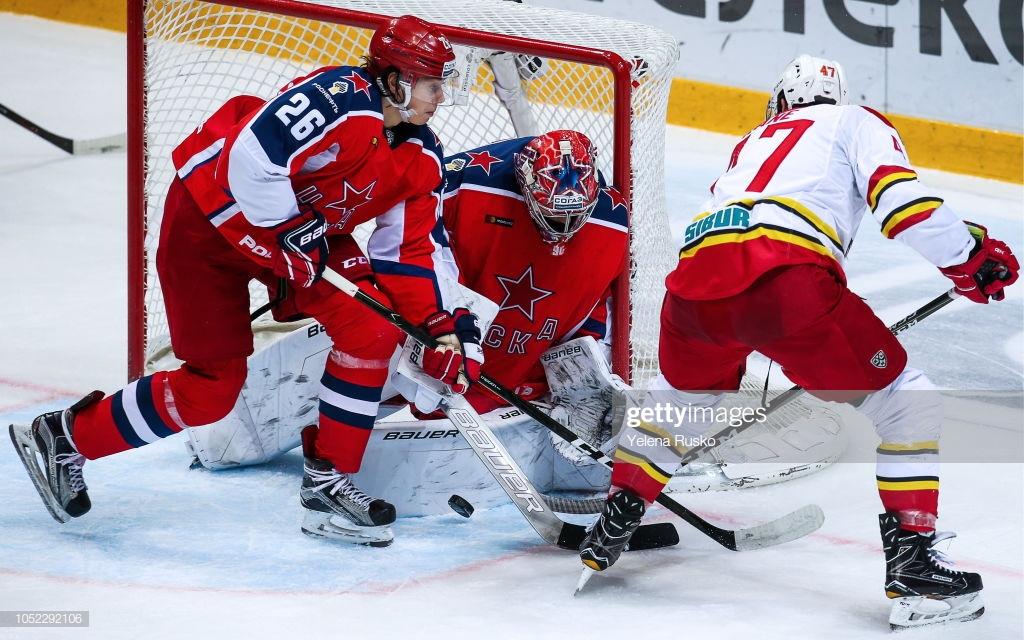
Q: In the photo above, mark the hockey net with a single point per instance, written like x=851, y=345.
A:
x=605, y=77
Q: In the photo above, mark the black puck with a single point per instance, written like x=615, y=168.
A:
x=460, y=506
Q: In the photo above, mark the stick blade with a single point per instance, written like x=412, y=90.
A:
x=106, y=144
x=648, y=536
x=792, y=526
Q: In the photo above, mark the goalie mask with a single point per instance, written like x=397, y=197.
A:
x=423, y=57
x=808, y=80
x=558, y=180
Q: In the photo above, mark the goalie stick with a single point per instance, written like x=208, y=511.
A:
x=789, y=527
x=103, y=144
x=496, y=458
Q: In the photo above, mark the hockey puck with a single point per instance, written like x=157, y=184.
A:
x=460, y=506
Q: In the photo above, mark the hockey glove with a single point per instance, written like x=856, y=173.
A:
x=990, y=268
x=456, y=361
x=303, y=250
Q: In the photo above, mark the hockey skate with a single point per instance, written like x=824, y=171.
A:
x=52, y=461
x=610, y=535
x=925, y=590
x=335, y=508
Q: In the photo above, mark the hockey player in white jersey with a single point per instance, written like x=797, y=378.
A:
x=762, y=270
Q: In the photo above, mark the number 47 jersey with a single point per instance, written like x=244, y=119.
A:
x=794, y=192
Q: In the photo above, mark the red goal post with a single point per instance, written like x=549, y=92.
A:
x=606, y=77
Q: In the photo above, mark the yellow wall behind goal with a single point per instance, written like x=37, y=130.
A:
x=930, y=143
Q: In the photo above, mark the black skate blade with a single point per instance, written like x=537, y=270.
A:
x=648, y=536
x=35, y=474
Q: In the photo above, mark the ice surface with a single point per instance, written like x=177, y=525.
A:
x=168, y=552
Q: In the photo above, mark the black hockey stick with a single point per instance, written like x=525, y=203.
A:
x=497, y=460
x=789, y=527
x=103, y=144
x=281, y=294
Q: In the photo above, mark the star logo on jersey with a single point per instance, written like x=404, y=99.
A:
x=359, y=83
x=482, y=159
x=618, y=200
x=520, y=293
x=351, y=199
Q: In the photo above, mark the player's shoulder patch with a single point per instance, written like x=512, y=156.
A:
x=339, y=91
x=454, y=164
x=611, y=210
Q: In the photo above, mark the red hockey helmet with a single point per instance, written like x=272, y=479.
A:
x=558, y=179
x=415, y=47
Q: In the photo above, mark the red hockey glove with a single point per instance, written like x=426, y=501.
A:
x=303, y=249
x=456, y=361
x=991, y=268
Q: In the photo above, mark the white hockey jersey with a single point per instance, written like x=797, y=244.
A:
x=794, y=193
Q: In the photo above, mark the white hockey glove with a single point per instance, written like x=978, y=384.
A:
x=508, y=76
x=583, y=392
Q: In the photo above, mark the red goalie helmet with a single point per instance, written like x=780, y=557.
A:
x=558, y=179
x=415, y=47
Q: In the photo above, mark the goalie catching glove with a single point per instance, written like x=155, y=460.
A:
x=991, y=268
x=457, y=358
x=302, y=255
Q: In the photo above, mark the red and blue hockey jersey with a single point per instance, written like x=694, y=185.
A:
x=321, y=143
x=546, y=293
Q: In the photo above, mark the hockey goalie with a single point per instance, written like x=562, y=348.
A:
x=537, y=233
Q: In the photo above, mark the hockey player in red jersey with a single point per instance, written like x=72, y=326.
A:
x=534, y=228
x=762, y=270
x=272, y=190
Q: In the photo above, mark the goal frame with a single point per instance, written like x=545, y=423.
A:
x=621, y=179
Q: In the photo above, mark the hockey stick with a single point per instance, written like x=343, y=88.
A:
x=496, y=458
x=524, y=495
x=104, y=144
x=787, y=528
x=795, y=391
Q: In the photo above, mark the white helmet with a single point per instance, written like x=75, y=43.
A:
x=807, y=80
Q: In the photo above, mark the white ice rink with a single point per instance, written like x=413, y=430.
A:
x=172, y=553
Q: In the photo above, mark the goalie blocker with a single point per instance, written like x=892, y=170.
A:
x=417, y=464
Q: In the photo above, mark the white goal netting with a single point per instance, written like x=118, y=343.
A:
x=198, y=54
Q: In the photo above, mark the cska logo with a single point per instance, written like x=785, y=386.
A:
x=879, y=361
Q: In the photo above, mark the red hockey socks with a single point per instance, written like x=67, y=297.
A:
x=156, y=406
x=349, y=396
